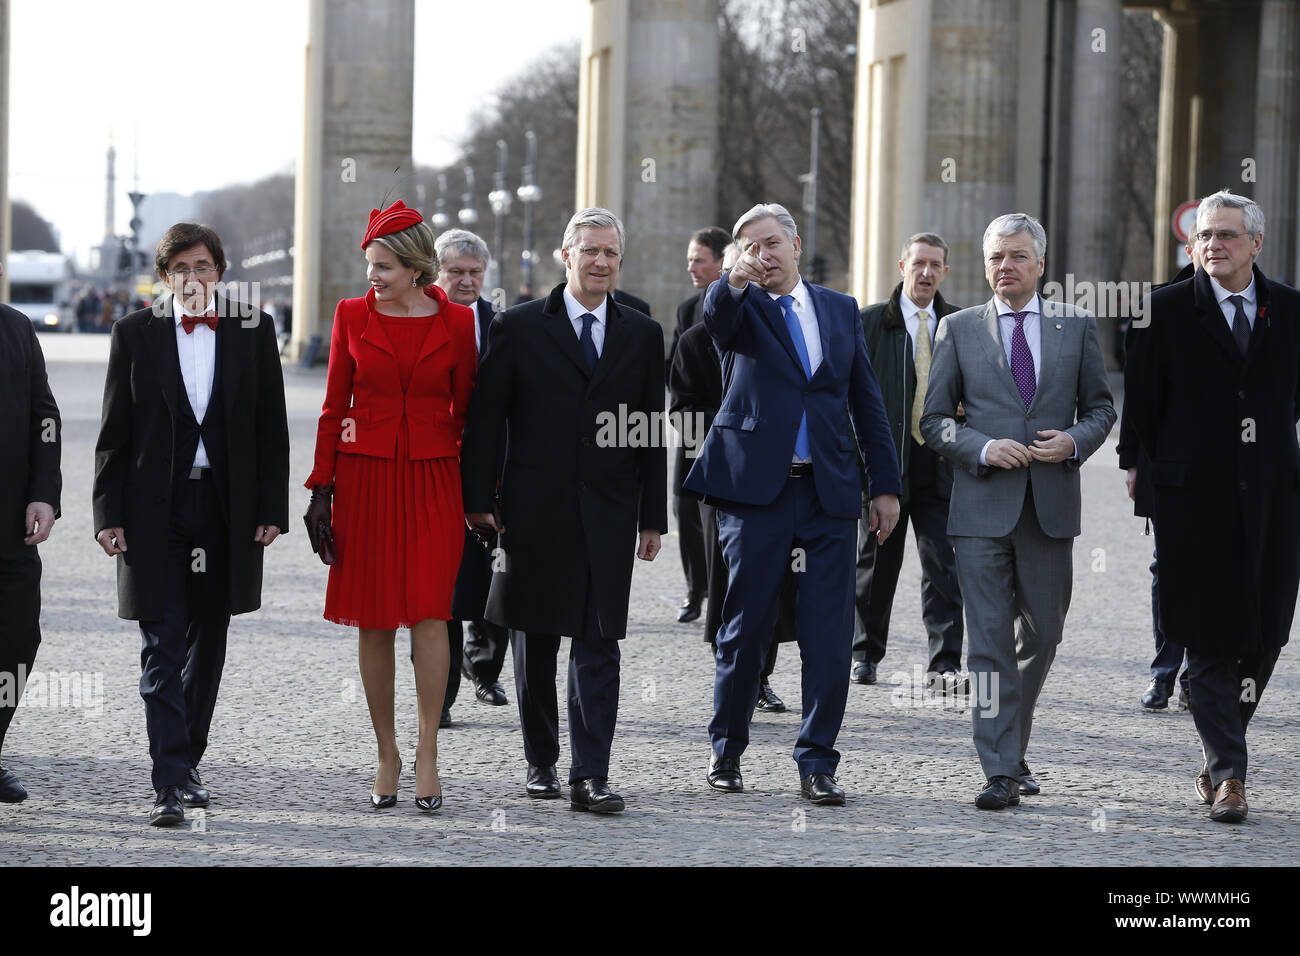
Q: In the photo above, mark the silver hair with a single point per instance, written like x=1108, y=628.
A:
x=461, y=242
x=929, y=239
x=762, y=211
x=732, y=252
x=594, y=217
x=1012, y=223
x=1251, y=215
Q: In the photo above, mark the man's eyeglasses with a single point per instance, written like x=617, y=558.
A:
x=201, y=272
x=1223, y=235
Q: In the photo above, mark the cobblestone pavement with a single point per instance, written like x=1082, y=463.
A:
x=292, y=756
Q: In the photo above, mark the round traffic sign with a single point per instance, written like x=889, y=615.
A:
x=1185, y=220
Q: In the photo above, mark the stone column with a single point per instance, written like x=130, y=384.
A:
x=648, y=135
x=1092, y=250
x=1277, y=138
x=360, y=68
x=6, y=232
x=1174, y=148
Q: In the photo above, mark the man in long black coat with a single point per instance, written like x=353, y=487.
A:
x=191, y=485
x=1212, y=383
x=579, y=381
x=30, y=484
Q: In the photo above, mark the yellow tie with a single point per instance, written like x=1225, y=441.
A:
x=922, y=371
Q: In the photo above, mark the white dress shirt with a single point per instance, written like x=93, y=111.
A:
x=577, y=310
x=1248, y=304
x=910, y=309
x=478, y=332
x=197, y=352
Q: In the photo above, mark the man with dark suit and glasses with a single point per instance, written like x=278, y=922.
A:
x=30, y=485
x=191, y=485
x=1212, y=383
x=1030, y=375
x=576, y=502
x=783, y=469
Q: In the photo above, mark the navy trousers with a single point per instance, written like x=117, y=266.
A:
x=593, y=696
x=183, y=652
x=1225, y=692
x=759, y=544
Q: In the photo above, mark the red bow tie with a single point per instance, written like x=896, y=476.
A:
x=189, y=321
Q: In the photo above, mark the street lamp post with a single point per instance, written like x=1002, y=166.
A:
x=529, y=194
x=467, y=215
x=809, y=181
x=440, y=218
x=499, y=197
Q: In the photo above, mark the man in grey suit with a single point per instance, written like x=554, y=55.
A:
x=1032, y=380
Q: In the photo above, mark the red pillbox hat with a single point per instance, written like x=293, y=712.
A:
x=393, y=219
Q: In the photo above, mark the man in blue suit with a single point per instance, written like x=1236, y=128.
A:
x=781, y=467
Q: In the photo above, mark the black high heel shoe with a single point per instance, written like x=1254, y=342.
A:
x=382, y=801
x=427, y=804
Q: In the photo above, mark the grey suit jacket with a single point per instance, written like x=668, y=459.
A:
x=1073, y=395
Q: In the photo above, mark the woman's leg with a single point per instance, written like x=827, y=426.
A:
x=432, y=658
x=375, y=654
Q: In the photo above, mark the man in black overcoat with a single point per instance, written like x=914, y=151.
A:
x=30, y=484
x=191, y=485
x=579, y=382
x=1212, y=383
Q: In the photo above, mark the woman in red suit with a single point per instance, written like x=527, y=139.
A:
x=401, y=369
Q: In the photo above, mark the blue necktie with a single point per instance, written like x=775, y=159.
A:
x=587, y=342
x=801, y=449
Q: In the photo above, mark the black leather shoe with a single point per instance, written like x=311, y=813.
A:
x=767, y=699
x=543, y=783
x=492, y=693
x=690, y=610
x=429, y=804
x=1028, y=785
x=1001, y=792
x=593, y=794
x=864, y=672
x=724, y=774
x=168, y=810
x=445, y=720
x=820, y=789
x=1156, y=696
x=1184, y=698
x=11, y=791
x=193, y=793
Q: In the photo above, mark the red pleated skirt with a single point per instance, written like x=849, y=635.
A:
x=399, y=527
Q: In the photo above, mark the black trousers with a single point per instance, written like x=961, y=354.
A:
x=593, y=696
x=879, y=565
x=183, y=652
x=482, y=651
x=1225, y=692
x=690, y=535
x=20, y=631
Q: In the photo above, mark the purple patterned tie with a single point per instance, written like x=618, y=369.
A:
x=1022, y=362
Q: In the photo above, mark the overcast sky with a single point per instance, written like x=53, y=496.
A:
x=152, y=74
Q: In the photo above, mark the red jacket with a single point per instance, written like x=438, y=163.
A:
x=364, y=402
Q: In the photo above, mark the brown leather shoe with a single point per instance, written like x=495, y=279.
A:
x=1229, y=802
x=1204, y=788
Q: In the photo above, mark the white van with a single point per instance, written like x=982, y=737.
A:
x=40, y=288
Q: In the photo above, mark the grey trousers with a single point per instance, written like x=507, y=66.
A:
x=1016, y=590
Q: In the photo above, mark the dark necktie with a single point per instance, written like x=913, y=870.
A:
x=587, y=342
x=1240, y=326
x=801, y=446
x=188, y=322
x=1022, y=360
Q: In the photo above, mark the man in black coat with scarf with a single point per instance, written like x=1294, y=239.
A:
x=579, y=382
x=1213, y=384
x=30, y=485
